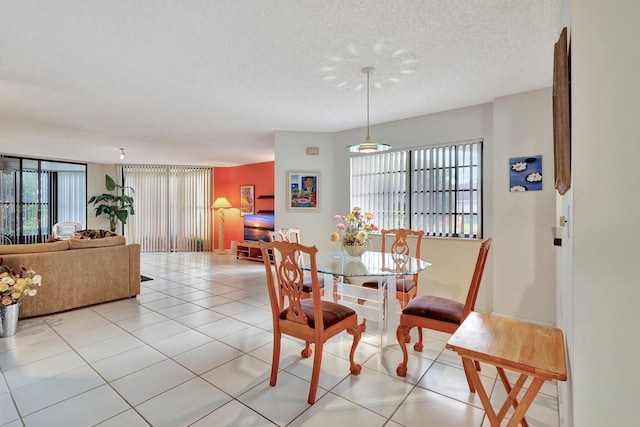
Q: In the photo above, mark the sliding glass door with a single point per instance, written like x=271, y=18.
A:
x=36, y=194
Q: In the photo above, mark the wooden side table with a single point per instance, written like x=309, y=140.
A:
x=526, y=348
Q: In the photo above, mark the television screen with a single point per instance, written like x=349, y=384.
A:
x=257, y=227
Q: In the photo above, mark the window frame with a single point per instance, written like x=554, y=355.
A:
x=388, y=184
x=30, y=196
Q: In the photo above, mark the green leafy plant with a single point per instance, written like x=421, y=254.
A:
x=115, y=205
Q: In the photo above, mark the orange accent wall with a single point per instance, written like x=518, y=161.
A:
x=227, y=182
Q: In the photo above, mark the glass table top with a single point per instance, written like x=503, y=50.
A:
x=369, y=264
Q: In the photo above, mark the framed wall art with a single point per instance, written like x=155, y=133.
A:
x=525, y=174
x=302, y=190
x=246, y=200
x=562, y=114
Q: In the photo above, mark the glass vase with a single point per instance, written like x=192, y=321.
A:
x=354, y=251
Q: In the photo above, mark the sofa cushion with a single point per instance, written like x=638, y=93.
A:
x=62, y=245
x=96, y=243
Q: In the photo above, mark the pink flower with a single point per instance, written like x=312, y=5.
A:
x=354, y=228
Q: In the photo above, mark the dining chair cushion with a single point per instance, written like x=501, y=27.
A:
x=437, y=308
x=402, y=285
x=306, y=285
x=332, y=313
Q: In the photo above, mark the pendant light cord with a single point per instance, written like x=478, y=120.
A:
x=368, y=70
x=367, y=146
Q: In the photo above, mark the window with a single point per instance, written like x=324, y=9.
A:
x=36, y=194
x=437, y=189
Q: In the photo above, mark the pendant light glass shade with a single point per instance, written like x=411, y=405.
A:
x=368, y=146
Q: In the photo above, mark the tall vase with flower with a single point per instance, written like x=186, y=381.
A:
x=13, y=287
x=353, y=231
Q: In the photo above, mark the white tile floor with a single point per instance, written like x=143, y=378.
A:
x=194, y=349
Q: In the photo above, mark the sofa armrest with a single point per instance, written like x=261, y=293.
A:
x=134, y=269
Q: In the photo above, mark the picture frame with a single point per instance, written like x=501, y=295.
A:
x=525, y=174
x=247, y=201
x=303, y=190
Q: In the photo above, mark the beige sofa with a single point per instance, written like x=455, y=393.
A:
x=76, y=272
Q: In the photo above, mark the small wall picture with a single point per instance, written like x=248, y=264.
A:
x=525, y=174
x=303, y=190
x=246, y=200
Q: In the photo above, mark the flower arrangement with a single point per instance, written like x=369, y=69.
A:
x=353, y=228
x=14, y=286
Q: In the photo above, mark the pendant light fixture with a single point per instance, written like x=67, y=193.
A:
x=121, y=153
x=368, y=146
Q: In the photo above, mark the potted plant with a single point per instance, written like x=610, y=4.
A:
x=14, y=286
x=115, y=205
x=354, y=228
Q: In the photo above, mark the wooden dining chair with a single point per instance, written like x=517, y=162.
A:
x=285, y=235
x=406, y=287
x=439, y=314
x=310, y=319
x=293, y=235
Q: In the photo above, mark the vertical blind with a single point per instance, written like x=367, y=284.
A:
x=446, y=192
x=379, y=186
x=71, y=196
x=172, y=208
x=437, y=189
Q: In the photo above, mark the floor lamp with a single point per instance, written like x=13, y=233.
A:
x=221, y=204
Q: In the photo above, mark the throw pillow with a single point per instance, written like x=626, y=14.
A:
x=95, y=233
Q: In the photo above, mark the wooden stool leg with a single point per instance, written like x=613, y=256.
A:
x=527, y=400
x=472, y=388
x=512, y=394
x=469, y=369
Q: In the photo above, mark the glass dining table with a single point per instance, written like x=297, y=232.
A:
x=379, y=305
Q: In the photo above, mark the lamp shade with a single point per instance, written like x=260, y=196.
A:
x=368, y=147
x=221, y=202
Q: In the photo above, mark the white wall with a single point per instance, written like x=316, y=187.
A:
x=564, y=277
x=605, y=150
x=96, y=185
x=527, y=127
x=524, y=276
x=290, y=155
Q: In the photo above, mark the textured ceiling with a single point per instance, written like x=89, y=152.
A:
x=207, y=82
